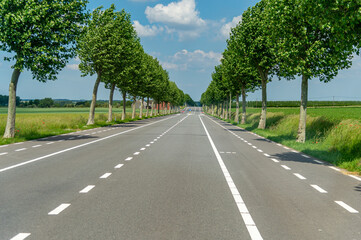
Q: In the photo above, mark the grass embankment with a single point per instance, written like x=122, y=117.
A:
x=333, y=134
x=34, y=123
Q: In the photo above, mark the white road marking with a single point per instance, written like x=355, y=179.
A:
x=50, y=143
x=249, y=144
x=148, y=145
x=347, y=207
x=4, y=153
x=221, y=152
x=105, y=175
x=279, y=145
x=294, y=151
x=78, y=146
x=267, y=155
x=136, y=153
x=251, y=226
x=59, y=209
x=319, y=189
x=21, y=236
x=36, y=146
x=3, y=146
x=318, y=161
x=254, y=146
x=18, y=143
x=299, y=176
x=128, y=159
x=228, y=152
x=303, y=155
x=87, y=189
x=21, y=149
x=285, y=167
x=62, y=140
x=233, y=152
x=286, y=148
x=259, y=150
x=142, y=149
x=151, y=142
x=357, y=178
x=119, y=166
x=245, y=141
x=336, y=169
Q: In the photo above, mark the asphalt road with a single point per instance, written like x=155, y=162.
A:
x=185, y=176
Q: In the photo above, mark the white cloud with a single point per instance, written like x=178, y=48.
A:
x=226, y=28
x=147, y=31
x=179, y=17
x=142, y=0
x=197, y=60
x=72, y=66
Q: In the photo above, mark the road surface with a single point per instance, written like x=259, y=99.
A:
x=184, y=176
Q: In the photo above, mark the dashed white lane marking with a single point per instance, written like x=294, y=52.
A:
x=105, y=175
x=119, y=166
x=36, y=146
x=259, y=150
x=347, y=207
x=79, y=146
x=87, y=189
x=336, y=169
x=245, y=141
x=59, y=209
x=228, y=152
x=254, y=146
x=299, y=176
x=246, y=216
x=21, y=149
x=357, y=178
x=233, y=152
x=50, y=143
x=136, y=153
x=303, y=155
x=249, y=144
x=18, y=143
x=148, y=145
x=128, y=159
x=321, y=190
x=151, y=142
x=267, y=155
x=158, y=137
x=3, y=146
x=221, y=152
x=4, y=153
x=142, y=149
x=318, y=161
x=285, y=167
x=275, y=160
x=21, y=236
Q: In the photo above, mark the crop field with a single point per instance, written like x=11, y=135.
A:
x=333, y=133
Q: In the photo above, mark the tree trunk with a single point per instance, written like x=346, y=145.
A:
x=94, y=101
x=141, y=108
x=243, y=121
x=212, y=109
x=151, y=110
x=230, y=107
x=134, y=102
x=124, y=112
x=236, y=118
x=262, y=122
x=110, y=113
x=226, y=110
x=146, y=114
x=10, y=124
x=301, y=136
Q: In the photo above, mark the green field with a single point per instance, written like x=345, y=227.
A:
x=333, y=133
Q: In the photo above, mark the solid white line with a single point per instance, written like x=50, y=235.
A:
x=79, y=146
x=267, y=155
x=87, y=189
x=136, y=153
x=119, y=166
x=299, y=176
x=21, y=236
x=36, y=146
x=319, y=189
x=285, y=167
x=105, y=175
x=303, y=155
x=318, y=161
x=21, y=149
x=128, y=159
x=336, y=169
x=59, y=209
x=4, y=153
x=275, y=160
x=357, y=178
x=347, y=207
x=251, y=226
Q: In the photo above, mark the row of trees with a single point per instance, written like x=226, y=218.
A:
x=286, y=38
x=42, y=36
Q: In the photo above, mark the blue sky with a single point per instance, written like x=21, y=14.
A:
x=188, y=37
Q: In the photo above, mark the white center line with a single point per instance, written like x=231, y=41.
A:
x=259, y=150
x=299, y=176
x=142, y=149
x=151, y=142
x=136, y=153
x=128, y=159
x=148, y=145
x=105, y=175
x=249, y=144
x=119, y=166
x=336, y=169
x=21, y=236
x=275, y=160
x=21, y=149
x=319, y=189
x=347, y=207
x=254, y=146
x=267, y=155
x=36, y=146
x=4, y=153
x=87, y=189
x=247, y=219
x=59, y=209
x=285, y=167
x=50, y=143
